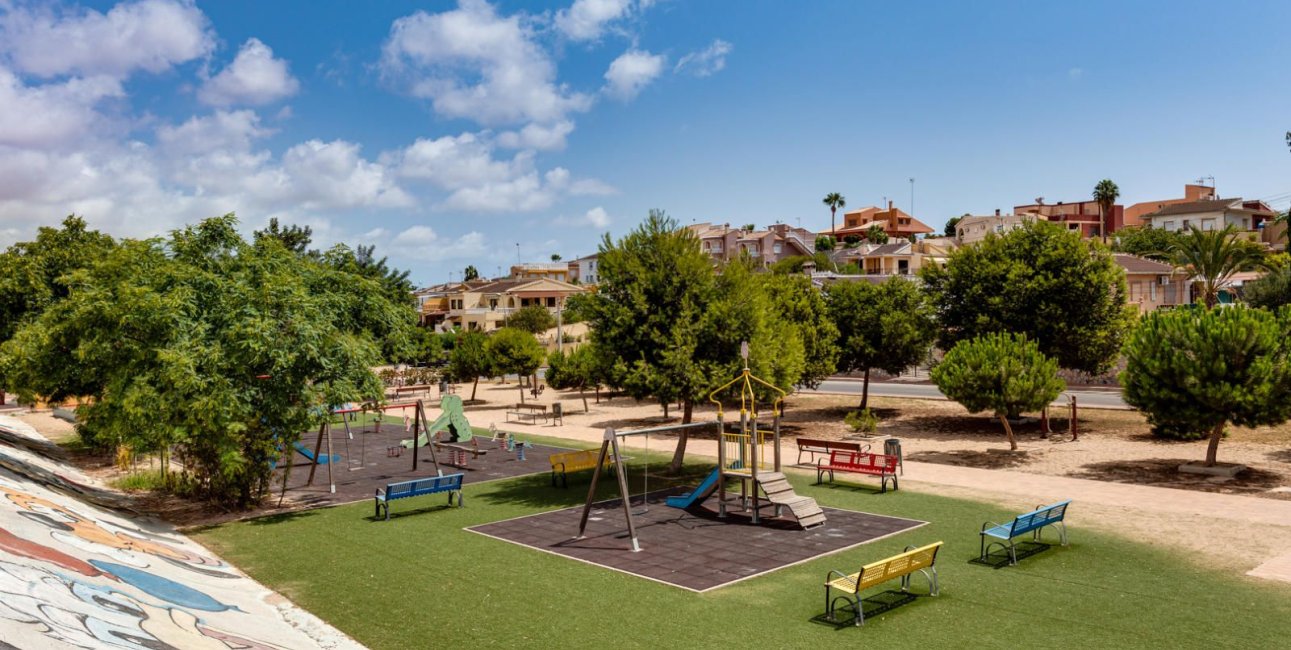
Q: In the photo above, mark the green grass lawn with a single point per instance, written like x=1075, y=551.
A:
x=422, y=581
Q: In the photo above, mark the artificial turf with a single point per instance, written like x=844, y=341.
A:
x=420, y=580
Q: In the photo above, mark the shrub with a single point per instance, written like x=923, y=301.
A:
x=862, y=421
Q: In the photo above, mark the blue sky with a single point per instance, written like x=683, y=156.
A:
x=445, y=133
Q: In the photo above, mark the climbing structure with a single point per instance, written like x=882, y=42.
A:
x=451, y=419
x=743, y=455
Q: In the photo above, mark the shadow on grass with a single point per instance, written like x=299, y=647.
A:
x=999, y=558
x=850, y=486
x=880, y=603
x=536, y=491
x=396, y=514
x=282, y=517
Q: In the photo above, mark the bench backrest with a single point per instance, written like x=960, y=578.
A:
x=876, y=573
x=424, y=486
x=863, y=460
x=1040, y=517
x=573, y=460
x=532, y=407
x=830, y=444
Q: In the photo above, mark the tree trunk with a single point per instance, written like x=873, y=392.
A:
x=688, y=410
x=865, y=390
x=583, y=394
x=1008, y=431
x=665, y=409
x=598, y=393
x=521, y=386
x=475, y=386
x=1212, y=449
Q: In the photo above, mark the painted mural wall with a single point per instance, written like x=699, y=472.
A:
x=76, y=573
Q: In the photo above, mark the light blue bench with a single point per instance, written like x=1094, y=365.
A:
x=1031, y=522
x=452, y=484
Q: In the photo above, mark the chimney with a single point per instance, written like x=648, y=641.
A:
x=997, y=212
x=889, y=205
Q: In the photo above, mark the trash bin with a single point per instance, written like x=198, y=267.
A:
x=892, y=447
x=443, y=387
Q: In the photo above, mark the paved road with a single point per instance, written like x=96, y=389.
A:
x=1091, y=398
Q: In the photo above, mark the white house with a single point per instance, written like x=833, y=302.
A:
x=1212, y=214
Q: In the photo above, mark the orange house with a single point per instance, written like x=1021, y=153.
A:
x=894, y=221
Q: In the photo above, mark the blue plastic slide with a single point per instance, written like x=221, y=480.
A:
x=309, y=453
x=699, y=494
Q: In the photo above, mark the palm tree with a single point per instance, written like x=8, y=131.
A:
x=1106, y=193
x=835, y=201
x=1212, y=257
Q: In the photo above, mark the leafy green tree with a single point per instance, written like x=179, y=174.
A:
x=1152, y=243
x=835, y=201
x=577, y=369
x=1105, y=194
x=1066, y=294
x=1003, y=373
x=204, y=344
x=514, y=351
x=1271, y=291
x=470, y=359
x=889, y=326
x=794, y=299
x=1213, y=257
x=534, y=319
x=667, y=328
x=470, y=273
x=555, y=257
x=794, y=264
x=876, y=235
x=825, y=243
x=426, y=347
x=1194, y=372
x=951, y=223
x=294, y=238
x=35, y=275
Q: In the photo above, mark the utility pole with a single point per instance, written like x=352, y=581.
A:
x=912, y=196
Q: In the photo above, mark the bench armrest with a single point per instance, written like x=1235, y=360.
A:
x=381, y=494
x=989, y=524
x=830, y=576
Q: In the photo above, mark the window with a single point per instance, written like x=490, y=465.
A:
x=1169, y=225
x=551, y=302
x=1152, y=289
x=1187, y=223
x=493, y=303
x=777, y=248
x=1207, y=224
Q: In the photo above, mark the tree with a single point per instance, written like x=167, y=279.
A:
x=470, y=274
x=1066, y=294
x=392, y=284
x=578, y=369
x=824, y=243
x=35, y=275
x=514, y=351
x=835, y=201
x=1003, y=373
x=890, y=326
x=470, y=359
x=1193, y=372
x=1271, y=291
x=533, y=319
x=294, y=238
x=1213, y=257
x=1144, y=241
x=221, y=350
x=665, y=327
x=555, y=257
x=794, y=299
x=427, y=348
x=794, y=264
x=950, y=225
x=876, y=235
x=1105, y=193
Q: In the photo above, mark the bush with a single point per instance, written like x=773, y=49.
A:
x=1003, y=373
x=534, y=319
x=862, y=421
x=1193, y=372
x=824, y=243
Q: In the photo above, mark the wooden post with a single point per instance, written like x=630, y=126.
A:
x=1072, y=424
x=596, y=477
x=1044, y=422
x=318, y=446
x=418, y=424
x=331, y=480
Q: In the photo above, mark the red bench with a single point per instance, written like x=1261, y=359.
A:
x=880, y=465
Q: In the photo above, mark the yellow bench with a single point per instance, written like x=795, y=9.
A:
x=573, y=461
x=922, y=559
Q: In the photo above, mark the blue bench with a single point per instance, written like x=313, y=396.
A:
x=452, y=484
x=1031, y=522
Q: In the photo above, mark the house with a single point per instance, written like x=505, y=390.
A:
x=1214, y=214
x=486, y=306
x=894, y=221
x=901, y=257
x=535, y=271
x=1135, y=214
x=1083, y=216
x=584, y=270
x=1152, y=284
x=433, y=301
x=972, y=229
x=779, y=241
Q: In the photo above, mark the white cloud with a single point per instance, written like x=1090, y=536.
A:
x=52, y=114
x=255, y=77
x=586, y=20
x=472, y=63
x=705, y=62
x=150, y=35
x=632, y=72
x=418, y=236
x=452, y=162
x=598, y=217
x=537, y=136
x=333, y=175
x=222, y=130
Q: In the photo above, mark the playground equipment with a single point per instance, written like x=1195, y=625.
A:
x=348, y=412
x=740, y=456
x=451, y=419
